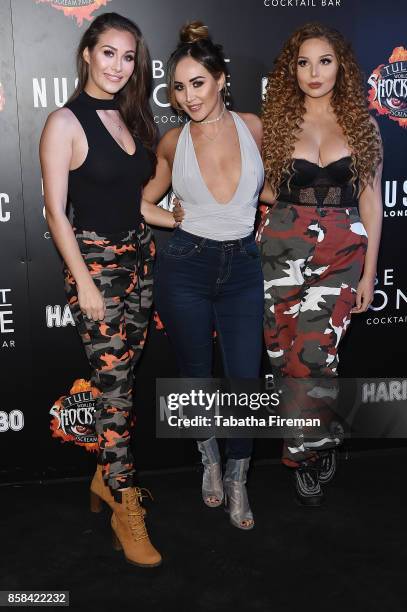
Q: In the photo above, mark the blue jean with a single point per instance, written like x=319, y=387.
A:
x=202, y=285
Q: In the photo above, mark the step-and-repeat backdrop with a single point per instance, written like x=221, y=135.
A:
x=45, y=405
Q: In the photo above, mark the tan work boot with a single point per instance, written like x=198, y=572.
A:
x=100, y=492
x=129, y=530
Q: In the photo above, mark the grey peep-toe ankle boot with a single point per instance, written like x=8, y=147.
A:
x=212, y=486
x=236, y=500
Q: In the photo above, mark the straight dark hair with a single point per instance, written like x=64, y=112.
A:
x=133, y=99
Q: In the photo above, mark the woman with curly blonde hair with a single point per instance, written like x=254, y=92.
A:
x=323, y=161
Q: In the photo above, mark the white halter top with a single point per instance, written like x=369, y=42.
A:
x=204, y=216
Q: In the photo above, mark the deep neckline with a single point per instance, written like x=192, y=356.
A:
x=199, y=168
x=86, y=102
x=114, y=139
x=317, y=165
x=98, y=103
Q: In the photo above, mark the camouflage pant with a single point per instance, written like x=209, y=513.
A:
x=121, y=266
x=312, y=261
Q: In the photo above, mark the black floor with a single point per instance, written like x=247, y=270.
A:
x=349, y=555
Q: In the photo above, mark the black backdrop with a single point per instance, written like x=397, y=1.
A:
x=40, y=353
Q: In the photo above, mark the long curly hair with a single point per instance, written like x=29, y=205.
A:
x=284, y=108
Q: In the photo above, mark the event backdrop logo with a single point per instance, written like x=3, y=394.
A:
x=73, y=416
x=6, y=320
x=388, y=93
x=5, y=214
x=58, y=316
x=389, y=306
x=78, y=9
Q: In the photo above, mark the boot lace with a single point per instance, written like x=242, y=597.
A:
x=134, y=514
x=309, y=479
x=141, y=493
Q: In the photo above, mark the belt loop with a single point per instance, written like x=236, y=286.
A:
x=201, y=244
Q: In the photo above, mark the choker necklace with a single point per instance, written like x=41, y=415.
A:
x=98, y=103
x=212, y=120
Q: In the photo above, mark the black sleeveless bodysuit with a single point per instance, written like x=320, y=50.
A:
x=313, y=185
x=105, y=191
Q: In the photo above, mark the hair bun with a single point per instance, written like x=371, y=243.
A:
x=194, y=31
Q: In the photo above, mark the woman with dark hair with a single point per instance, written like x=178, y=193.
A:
x=98, y=152
x=209, y=275
x=323, y=161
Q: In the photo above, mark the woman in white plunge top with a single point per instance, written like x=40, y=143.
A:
x=208, y=276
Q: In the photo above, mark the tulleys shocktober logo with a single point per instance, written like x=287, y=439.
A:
x=73, y=416
x=388, y=93
x=78, y=9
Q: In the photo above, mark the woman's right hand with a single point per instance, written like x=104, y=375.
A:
x=178, y=212
x=91, y=302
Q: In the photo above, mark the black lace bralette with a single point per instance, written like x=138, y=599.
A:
x=315, y=185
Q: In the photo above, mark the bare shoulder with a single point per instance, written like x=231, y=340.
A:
x=61, y=124
x=168, y=143
x=251, y=120
x=62, y=118
x=254, y=124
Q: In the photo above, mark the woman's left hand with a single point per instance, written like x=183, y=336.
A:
x=364, y=295
x=178, y=212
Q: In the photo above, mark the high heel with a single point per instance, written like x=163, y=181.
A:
x=236, y=499
x=96, y=503
x=212, y=486
x=116, y=542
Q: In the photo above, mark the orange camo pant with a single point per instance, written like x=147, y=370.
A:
x=121, y=266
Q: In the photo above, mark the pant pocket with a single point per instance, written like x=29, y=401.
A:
x=355, y=224
x=282, y=217
x=179, y=248
x=251, y=250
